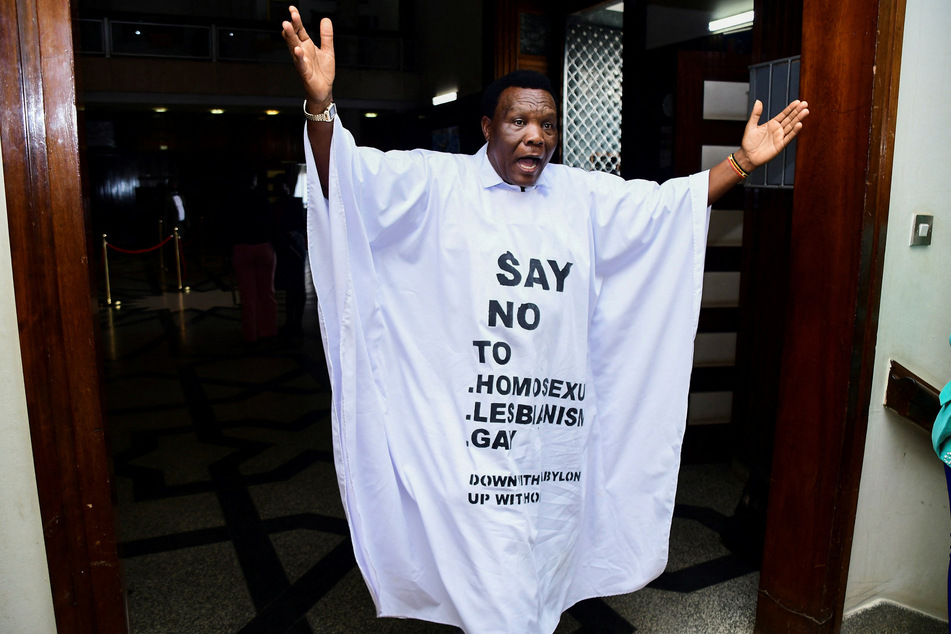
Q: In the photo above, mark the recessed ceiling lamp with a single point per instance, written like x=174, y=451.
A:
x=159, y=109
x=732, y=23
x=370, y=115
x=272, y=112
x=444, y=98
x=216, y=111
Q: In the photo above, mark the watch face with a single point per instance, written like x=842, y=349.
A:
x=332, y=112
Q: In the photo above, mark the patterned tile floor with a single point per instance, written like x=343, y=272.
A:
x=229, y=517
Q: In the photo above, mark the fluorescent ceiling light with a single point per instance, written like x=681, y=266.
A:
x=370, y=115
x=740, y=20
x=619, y=7
x=216, y=111
x=444, y=98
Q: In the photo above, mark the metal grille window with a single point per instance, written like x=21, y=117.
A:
x=592, y=100
x=775, y=83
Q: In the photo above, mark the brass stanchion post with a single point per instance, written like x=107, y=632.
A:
x=178, y=257
x=105, y=260
x=161, y=251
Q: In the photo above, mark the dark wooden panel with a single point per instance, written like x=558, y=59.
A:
x=718, y=319
x=723, y=259
x=778, y=33
x=705, y=443
x=505, y=30
x=635, y=146
x=55, y=312
x=712, y=379
x=693, y=68
x=910, y=396
x=733, y=199
x=837, y=247
x=764, y=289
x=506, y=17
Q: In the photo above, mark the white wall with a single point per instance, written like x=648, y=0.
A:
x=901, y=542
x=26, y=604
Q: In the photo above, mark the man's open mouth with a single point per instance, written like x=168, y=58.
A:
x=529, y=163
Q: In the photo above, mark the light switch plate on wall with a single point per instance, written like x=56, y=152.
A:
x=921, y=230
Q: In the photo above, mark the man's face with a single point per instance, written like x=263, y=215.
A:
x=522, y=135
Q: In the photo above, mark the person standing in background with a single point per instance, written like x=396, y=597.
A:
x=252, y=231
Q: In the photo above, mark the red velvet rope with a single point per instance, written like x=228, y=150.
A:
x=136, y=251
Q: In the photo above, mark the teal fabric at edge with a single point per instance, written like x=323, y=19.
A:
x=941, y=433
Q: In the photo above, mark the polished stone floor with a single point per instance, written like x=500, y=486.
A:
x=229, y=517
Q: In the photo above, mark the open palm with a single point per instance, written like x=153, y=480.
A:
x=315, y=65
x=761, y=143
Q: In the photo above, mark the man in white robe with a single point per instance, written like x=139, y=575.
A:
x=509, y=345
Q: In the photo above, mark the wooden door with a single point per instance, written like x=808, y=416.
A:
x=56, y=313
x=704, y=135
x=851, y=55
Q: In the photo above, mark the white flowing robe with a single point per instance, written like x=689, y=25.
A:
x=510, y=373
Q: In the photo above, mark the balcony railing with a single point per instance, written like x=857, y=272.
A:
x=118, y=38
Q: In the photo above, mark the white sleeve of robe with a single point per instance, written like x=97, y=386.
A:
x=397, y=282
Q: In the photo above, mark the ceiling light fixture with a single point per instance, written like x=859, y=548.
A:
x=159, y=109
x=370, y=115
x=444, y=98
x=732, y=23
x=272, y=112
x=216, y=111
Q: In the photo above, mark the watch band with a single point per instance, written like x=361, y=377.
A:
x=327, y=115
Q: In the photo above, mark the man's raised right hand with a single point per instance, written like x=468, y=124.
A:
x=316, y=66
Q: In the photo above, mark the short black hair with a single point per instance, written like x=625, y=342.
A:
x=516, y=79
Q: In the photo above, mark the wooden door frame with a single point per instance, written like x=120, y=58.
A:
x=851, y=57
x=56, y=313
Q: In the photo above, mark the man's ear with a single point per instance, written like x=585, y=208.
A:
x=486, y=124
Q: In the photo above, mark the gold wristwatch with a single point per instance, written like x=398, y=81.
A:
x=327, y=115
